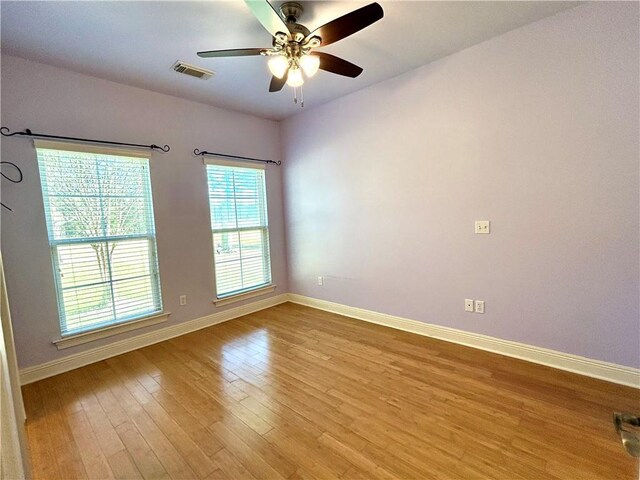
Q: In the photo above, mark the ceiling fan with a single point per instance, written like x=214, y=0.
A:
x=293, y=50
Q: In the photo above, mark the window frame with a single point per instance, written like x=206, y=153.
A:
x=256, y=290
x=76, y=336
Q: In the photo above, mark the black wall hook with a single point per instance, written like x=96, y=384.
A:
x=12, y=180
x=28, y=133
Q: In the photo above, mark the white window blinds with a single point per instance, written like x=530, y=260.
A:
x=240, y=228
x=99, y=216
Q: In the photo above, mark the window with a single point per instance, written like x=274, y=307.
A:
x=99, y=216
x=239, y=225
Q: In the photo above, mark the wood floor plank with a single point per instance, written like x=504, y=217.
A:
x=66, y=453
x=195, y=457
x=123, y=466
x=144, y=458
x=42, y=453
x=231, y=467
x=250, y=458
x=93, y=458
x=359, y=460
x=105, y=434
x=134, y=396
x=259, y=446
x=295, y=393
x=190, y=424
x=304, y=455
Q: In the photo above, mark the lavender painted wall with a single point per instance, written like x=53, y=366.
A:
x=535, y=130
x=59, y=102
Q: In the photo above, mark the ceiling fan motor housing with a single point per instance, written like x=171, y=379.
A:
x=291, y=11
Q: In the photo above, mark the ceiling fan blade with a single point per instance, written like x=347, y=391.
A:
x=235, y=52
x=348, y=24
x=277, y=83
x=333, y=64
x=268, y=17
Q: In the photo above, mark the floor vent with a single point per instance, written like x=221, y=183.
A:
x=182, y=67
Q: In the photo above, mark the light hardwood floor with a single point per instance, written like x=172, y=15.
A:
x=293, y=392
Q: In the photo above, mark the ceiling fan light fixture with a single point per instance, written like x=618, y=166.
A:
x=294, y=78
x=310, y=64
x=278, y=65
x=292, y=56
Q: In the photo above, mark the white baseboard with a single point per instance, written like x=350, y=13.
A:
x=564, y=361
x=76, y=360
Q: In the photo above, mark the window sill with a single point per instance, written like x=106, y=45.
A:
x=104, y=332
x=243, y=296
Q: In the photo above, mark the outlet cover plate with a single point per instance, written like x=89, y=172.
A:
x=483, y=226
x=468, y=305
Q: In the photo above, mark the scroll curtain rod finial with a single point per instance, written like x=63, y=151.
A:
x=164, y=149
x=5, y=132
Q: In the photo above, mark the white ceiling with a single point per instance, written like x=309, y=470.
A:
x=137, y=42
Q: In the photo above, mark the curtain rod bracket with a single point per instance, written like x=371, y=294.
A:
x=202, y=153
x=5, y=131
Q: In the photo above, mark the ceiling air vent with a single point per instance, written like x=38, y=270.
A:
x=182, y=67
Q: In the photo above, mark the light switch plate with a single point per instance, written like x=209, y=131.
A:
x=483, y=226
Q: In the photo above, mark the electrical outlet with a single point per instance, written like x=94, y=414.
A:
x=183, y=300
x=468, y=305
x=320, y=281
x=482, y=226
x=479, y=306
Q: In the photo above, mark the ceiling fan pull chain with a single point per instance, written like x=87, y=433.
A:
x=295, y=96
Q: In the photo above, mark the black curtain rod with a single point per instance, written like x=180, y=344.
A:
x=204, y=152
x=28, y=133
